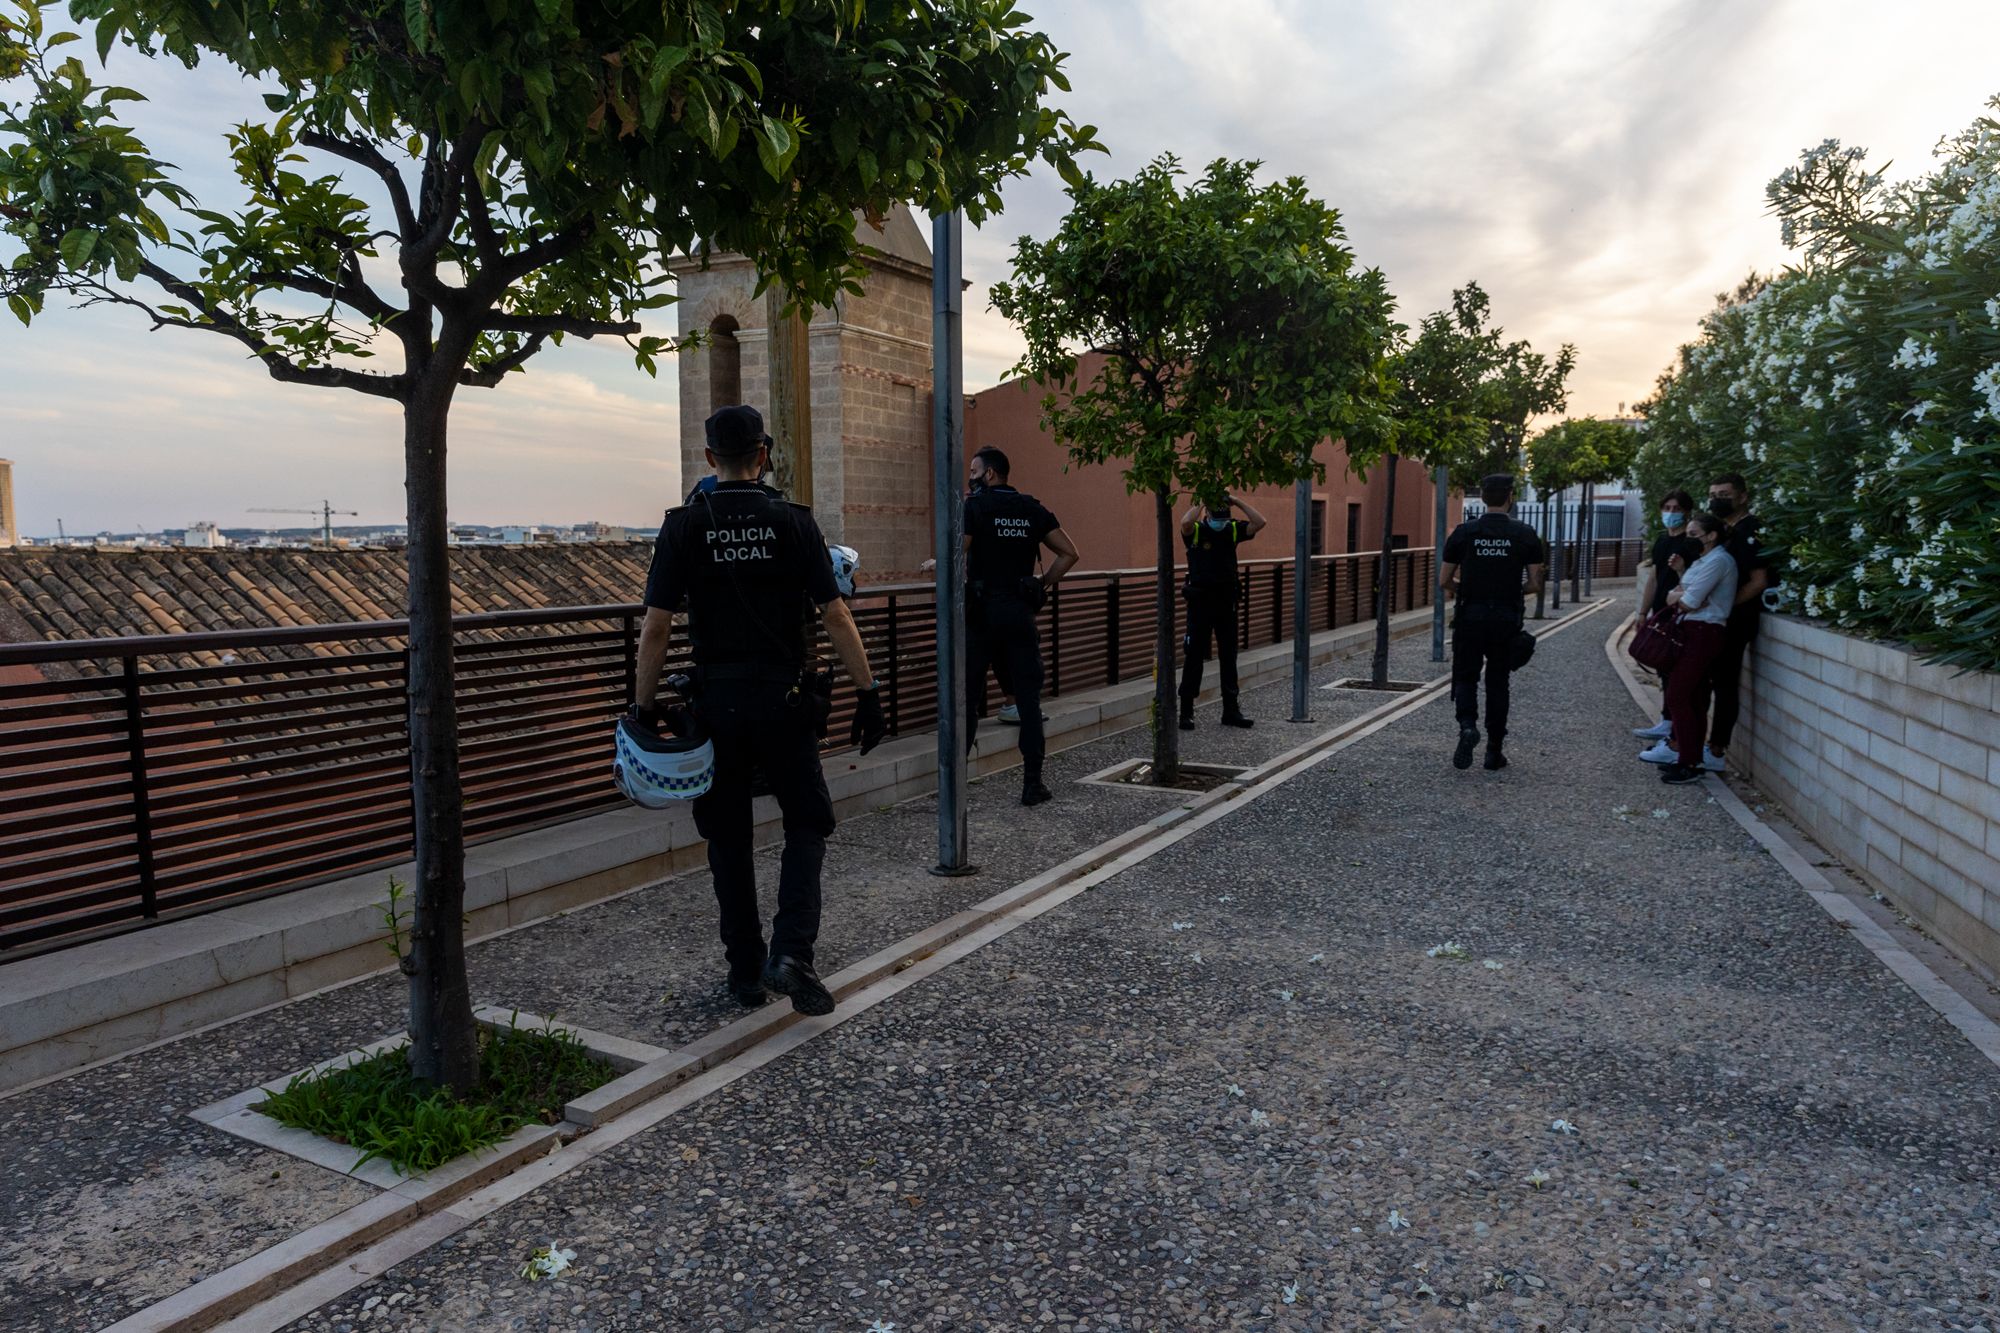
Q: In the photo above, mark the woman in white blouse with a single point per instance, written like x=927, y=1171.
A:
x=1704, y=597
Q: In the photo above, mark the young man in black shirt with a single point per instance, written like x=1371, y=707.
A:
x=751, y=569
x=1664, y=577
x=1484, y=562
x=1005, y=532
x=1211, y=590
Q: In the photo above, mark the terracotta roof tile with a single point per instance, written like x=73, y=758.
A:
x=74, y=594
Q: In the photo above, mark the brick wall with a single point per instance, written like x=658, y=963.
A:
x=1891, y=763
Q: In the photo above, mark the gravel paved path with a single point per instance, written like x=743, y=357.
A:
x=116, y=1198
x=1232, y=1089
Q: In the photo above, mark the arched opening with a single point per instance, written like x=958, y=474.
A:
x=725, y=363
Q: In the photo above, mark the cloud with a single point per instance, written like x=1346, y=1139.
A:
x=1599, y=168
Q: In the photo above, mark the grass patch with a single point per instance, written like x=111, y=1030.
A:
x=378, y=1106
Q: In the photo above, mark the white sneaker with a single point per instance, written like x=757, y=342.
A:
x=1010, y=714
x=1659, y=731
x=1712, y=761
x=1663, y=753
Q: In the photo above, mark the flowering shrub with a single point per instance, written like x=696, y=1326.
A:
x=1860, y=394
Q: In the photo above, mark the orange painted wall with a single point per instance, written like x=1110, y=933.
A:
x=1114, y=530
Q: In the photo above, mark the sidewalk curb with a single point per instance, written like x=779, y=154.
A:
x=1977, y=1028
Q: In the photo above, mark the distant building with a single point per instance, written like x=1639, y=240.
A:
x=10, y=527
x=204, y=536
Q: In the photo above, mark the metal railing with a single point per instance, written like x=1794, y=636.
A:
x=145, y=778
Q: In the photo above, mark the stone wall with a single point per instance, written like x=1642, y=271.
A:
x=1891, y=763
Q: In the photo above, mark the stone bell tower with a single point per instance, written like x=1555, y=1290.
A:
x=871, y=389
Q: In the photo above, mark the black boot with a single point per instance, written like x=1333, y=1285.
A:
x=746, y=985
x=1232, y=716
x=1034, y=791
x=790, y=977
x=1187, y=715
x=1468, y=740
x=1495, y=761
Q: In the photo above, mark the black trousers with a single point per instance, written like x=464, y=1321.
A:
x=752, y=724
x=1210, y=615
x=1726, y=676
x=1480, y=639
x=1001, y=635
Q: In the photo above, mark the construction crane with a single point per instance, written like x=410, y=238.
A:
x=325, y=513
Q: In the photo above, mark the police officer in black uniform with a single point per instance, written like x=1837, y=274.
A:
x=1005, y=532
x=1484, y=560
x=751, y=570
x=1211, y=589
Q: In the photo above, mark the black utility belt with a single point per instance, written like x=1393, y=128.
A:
x=774, y=673
x=1025, y=588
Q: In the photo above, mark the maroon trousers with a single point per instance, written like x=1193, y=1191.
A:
x=1688, y=687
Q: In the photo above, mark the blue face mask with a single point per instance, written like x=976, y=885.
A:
x=1218, y=524
x=1673, y=518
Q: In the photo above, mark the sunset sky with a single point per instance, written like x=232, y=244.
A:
x=1598, y=167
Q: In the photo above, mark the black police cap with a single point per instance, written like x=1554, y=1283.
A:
x=1499, y=481
x=735, y=432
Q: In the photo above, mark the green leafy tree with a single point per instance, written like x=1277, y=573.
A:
x=1436, y=378
x=1228, y=330
x=534, y=160
x=1581, y=451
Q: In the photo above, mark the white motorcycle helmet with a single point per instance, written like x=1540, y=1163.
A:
x=845, y=561
x=654, y=771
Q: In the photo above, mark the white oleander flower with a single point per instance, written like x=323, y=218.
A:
x=1397, y=1222
x=1449, y=949
x=1291, y=1293
x=1183, y=925
x=1235, y=1091
x=548, y=1261
x=1259, y=1117
x=1536, y=1178
x=1284, y=996
x=1562, y=1127
x=1493, y=965
x=880, y=1327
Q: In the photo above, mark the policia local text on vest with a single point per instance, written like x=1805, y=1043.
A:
x=1484, y=564
x=752, y=571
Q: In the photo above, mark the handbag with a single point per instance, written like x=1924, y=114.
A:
x=1657, y=641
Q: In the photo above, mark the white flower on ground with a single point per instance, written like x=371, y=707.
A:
x=1291, y=1293
x=1235, y=1091
x=1317, y=958
x=1397, y=1222
x=1283, y=995
x=1183, y=925
x=1196, y=955
x=1449, y=949
x=1426, y=1289
x=547, y=1261
x=1260, y=1117
x=1226, y=898
x=1492, y=964
x=1663, y=814
x=1562, y=1127
x=1621, y=810
x=1537, y=1178
x=880, y=1327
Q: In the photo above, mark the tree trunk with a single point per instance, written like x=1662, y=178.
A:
x=1576, y=549
x=1166, y=722
x=1385, y=580
x=443, y=1038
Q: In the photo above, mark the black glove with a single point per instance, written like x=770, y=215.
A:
x=869, y=726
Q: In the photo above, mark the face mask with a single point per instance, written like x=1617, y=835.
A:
x=1218, y=524
x=975, y=486
x=1721, y=506
x=1673, y=518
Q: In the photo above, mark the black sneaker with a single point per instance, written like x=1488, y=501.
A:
x=1468, y=741
x=1495, y=761
x=1034, y=792
x=1679, y=775
x=1187, y=719
x=790, y=977
x=747, y=988
x=1235, y=719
